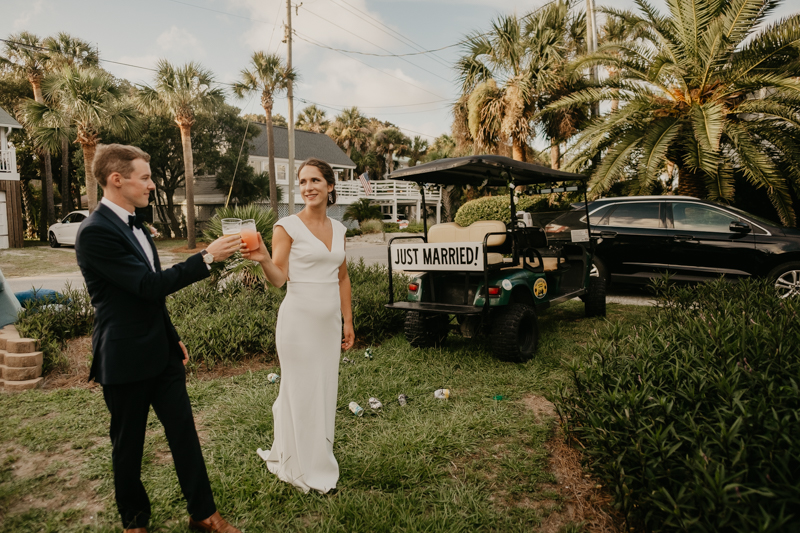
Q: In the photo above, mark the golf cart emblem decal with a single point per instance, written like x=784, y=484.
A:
x=540, y=288
x=506, y=284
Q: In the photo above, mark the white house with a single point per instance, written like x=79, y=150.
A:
x=10, y=190
x=393, y=196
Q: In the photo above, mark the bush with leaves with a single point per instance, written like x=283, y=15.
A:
x=371, y=226
x=66, y=316
x=236, y=265
x=234, y=322
x=490, y=208
x=361, y=210
x=694, y=420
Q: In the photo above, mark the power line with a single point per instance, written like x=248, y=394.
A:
x=387, y=74
x=375, y=45
x=382, y=55
x=220, y=12
x=413, y=44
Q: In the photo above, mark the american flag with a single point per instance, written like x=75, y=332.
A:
x=365, y=183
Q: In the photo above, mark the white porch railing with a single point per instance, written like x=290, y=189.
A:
x=8, y=161
x=387, y=190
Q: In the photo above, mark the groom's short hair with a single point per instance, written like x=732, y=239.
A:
x=110, y=158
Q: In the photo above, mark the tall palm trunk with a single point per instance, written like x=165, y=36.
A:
x=555, y=155
x=48, y=214
x=188, y=165
x=89, y=149
x=273, y=178
x=691, y=183
x=27, y=207
x=518, y=150
x=66, y=197
x=173, y=220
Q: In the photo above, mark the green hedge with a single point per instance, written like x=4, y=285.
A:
x=236, y=322
x=67, y=316
x=694, y=420
x=490, y=208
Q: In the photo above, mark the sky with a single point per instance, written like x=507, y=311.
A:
x=413, y=92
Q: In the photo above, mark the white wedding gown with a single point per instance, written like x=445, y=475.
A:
x=308, y=336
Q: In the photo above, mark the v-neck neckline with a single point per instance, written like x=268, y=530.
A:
x=330, y=250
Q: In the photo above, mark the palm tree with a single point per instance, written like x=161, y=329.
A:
x=703, y=92
x=349, y=130
x=86, y=99
x=182, y=92
x=24, y=55
x=313, y=119
x=389, y=142
x=417, y=150
x=65, y=50
x=270, y=76
x=362, y=210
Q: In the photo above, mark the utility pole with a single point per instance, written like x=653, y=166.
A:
x=290, y=99
x=591, y=47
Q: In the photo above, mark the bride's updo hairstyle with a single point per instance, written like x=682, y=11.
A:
x=327, y=173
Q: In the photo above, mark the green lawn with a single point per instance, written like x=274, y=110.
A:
x=471, y=463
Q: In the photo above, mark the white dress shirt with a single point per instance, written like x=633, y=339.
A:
x=140, y=236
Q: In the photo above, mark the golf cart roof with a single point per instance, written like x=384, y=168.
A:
x=483, y=170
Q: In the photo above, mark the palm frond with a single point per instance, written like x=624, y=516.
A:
x=614, y=162
x=656, y=143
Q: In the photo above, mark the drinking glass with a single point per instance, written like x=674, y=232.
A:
x=250, y=234
x=231, y=226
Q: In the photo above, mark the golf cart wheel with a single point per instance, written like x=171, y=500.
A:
x=595, y=299
x=53, y=241
x=787, y=280
x=425, y=330
x=515, y=333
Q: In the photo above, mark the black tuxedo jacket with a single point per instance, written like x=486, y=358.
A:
x=133, y=336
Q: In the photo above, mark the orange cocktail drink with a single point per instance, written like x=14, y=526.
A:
x=250, y=234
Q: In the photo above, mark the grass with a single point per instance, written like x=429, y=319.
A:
x=471, y=463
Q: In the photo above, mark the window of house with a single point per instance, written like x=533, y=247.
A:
x=280, y=170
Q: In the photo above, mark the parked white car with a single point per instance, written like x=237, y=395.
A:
x=64, y=232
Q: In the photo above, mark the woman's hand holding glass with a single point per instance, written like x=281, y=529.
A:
x=260, y=254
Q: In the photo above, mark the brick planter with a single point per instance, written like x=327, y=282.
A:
x=20, y=361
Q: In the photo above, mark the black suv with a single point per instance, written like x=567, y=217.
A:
x=642, y=237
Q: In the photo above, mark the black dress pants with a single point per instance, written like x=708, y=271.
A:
x=129, y=405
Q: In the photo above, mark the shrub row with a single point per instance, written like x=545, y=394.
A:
x=694, y=420
x=235, y=322
x=490, y=208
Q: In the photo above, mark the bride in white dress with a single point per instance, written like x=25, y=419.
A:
x=308, y=253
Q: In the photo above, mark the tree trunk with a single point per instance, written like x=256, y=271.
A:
x=91, y=182
x=273, y=178
x=162, y=214
x=518, y=150
x=555, y=155
x=48, y=215
x=691, y=183
x=188, y=165
x=173, y=219
x=66, y=195
x=27, y=207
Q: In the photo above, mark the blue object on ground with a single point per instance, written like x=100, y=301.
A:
x=36, y=297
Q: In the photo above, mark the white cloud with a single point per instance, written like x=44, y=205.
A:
x=23, y=21
x=178, y=39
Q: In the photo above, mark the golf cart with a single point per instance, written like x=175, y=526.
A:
x=494, y=279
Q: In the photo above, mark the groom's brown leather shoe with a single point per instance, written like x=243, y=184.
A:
x=137, y=530
x=213, y=524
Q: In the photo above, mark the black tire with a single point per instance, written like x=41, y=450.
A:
x=53, y=241
x=515, y=333
x=787, y=279
x=599, y=270
x=426, y=330
x=595, y=299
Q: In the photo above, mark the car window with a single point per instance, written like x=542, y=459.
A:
x=597, y=215
x=78, y=217
x=698, y=217
x=637, y=215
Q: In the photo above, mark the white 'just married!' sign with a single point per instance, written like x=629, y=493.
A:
x=463, y=256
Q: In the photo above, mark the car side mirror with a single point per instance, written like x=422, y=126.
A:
x=740, y=227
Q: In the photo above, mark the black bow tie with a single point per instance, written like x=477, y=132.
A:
x=135, y=221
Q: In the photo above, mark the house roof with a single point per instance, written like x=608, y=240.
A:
x=7, y=120
x=307, y=144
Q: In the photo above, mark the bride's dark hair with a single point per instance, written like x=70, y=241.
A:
x=327, y=173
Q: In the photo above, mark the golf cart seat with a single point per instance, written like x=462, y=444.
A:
x=475, y=232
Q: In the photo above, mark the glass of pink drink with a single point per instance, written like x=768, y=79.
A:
x=250, y=234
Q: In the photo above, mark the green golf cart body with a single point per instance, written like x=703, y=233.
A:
x=495, y=279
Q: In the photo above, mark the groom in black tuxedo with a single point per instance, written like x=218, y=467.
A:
x=138, y=356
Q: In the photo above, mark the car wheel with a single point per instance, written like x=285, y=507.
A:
x=595, y=299
x=787, y=279
x=599, y=270
x=515, y=333
x=53, y=241
x=426, y=330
